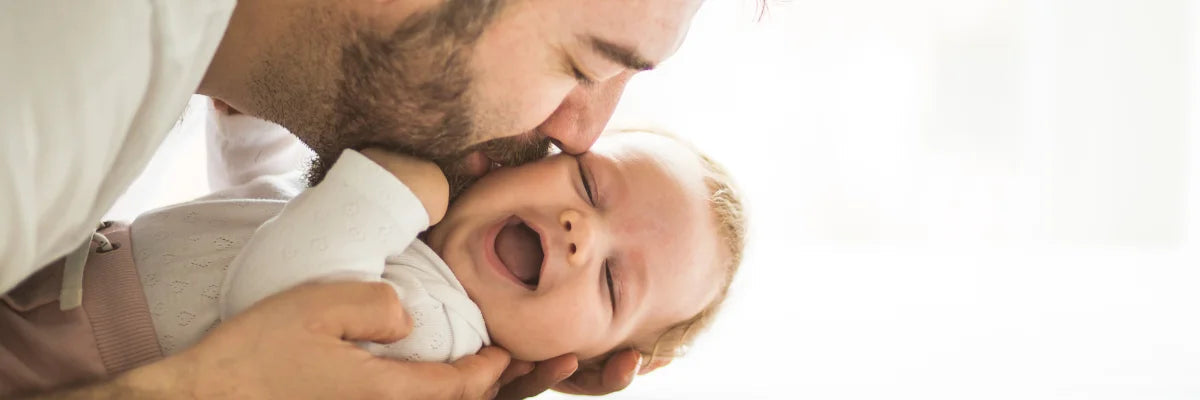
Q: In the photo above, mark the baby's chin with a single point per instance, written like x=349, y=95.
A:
x=523, y=345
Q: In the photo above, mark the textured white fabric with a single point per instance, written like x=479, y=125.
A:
x=348, y=225
x=90, y=89
x=361, y=222
x=242, y=148
x=447, y=325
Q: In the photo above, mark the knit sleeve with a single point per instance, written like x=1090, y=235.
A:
x=346, y=226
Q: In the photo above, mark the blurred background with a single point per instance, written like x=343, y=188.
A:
x=950, y=199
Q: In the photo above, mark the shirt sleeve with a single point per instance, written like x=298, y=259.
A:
x=346, y=226
x=89, y=90
x=72, y=77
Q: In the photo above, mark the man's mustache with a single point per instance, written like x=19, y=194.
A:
x=503, y=152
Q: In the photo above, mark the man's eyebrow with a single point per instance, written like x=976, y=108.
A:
x=620, y=54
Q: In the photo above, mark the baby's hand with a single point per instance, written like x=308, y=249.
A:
x=422, y=177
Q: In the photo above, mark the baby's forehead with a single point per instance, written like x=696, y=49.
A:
x=646, y=152
x=663, y=176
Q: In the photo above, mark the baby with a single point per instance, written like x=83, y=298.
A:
x=631, y=245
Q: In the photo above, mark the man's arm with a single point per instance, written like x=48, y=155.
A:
x=299, y=345
x=141, y=384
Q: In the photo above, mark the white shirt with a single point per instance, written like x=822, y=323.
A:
x=206, y=260
x=242, y=148
x=90, y=89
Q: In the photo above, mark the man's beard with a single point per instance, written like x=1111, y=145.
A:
x=509, y=151
x=407, y=92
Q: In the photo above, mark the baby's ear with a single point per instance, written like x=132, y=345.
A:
x=653, y=365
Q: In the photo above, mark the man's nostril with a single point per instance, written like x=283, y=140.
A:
x=572, y=248
x=567, y=225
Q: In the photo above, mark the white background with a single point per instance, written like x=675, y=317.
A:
x=950, y=199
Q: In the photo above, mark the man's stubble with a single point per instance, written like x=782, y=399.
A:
x=407, y=91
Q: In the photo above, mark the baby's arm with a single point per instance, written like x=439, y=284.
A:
x=343, y=227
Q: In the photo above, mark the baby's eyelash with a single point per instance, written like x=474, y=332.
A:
x=612, y=295
x=587, y=187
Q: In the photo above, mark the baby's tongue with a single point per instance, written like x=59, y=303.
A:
x=520, y=248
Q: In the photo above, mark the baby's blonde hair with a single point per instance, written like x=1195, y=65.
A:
x=725, y=200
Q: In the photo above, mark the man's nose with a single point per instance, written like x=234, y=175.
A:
x=578, y=121
x=580, y=240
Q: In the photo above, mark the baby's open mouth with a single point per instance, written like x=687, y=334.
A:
x=519, y=248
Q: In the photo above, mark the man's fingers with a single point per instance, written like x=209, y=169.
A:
x=516, y=369
x=481, y=372
x=359, y=311
x=617, y=374
x=471, y=377
x=620, y=369
x=659, y=363
x=544, y=375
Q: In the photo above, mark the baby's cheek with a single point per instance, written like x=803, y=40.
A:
x=544, y=329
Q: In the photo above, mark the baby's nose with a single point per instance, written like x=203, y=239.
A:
x=579, y=240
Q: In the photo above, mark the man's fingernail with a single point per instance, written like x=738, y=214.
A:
x=636, y=368
x=565, y=374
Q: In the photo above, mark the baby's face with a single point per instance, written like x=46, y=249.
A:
x=537, y=252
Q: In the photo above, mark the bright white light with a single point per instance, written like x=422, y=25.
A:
x=951, y=199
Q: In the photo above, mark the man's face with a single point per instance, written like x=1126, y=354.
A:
x=471, y=86
x=557, y=67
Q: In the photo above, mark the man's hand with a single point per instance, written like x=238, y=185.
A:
x=299, y=345
x=523, y=379
x=422, y=177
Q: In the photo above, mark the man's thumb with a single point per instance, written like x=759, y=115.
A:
x=363, y=311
